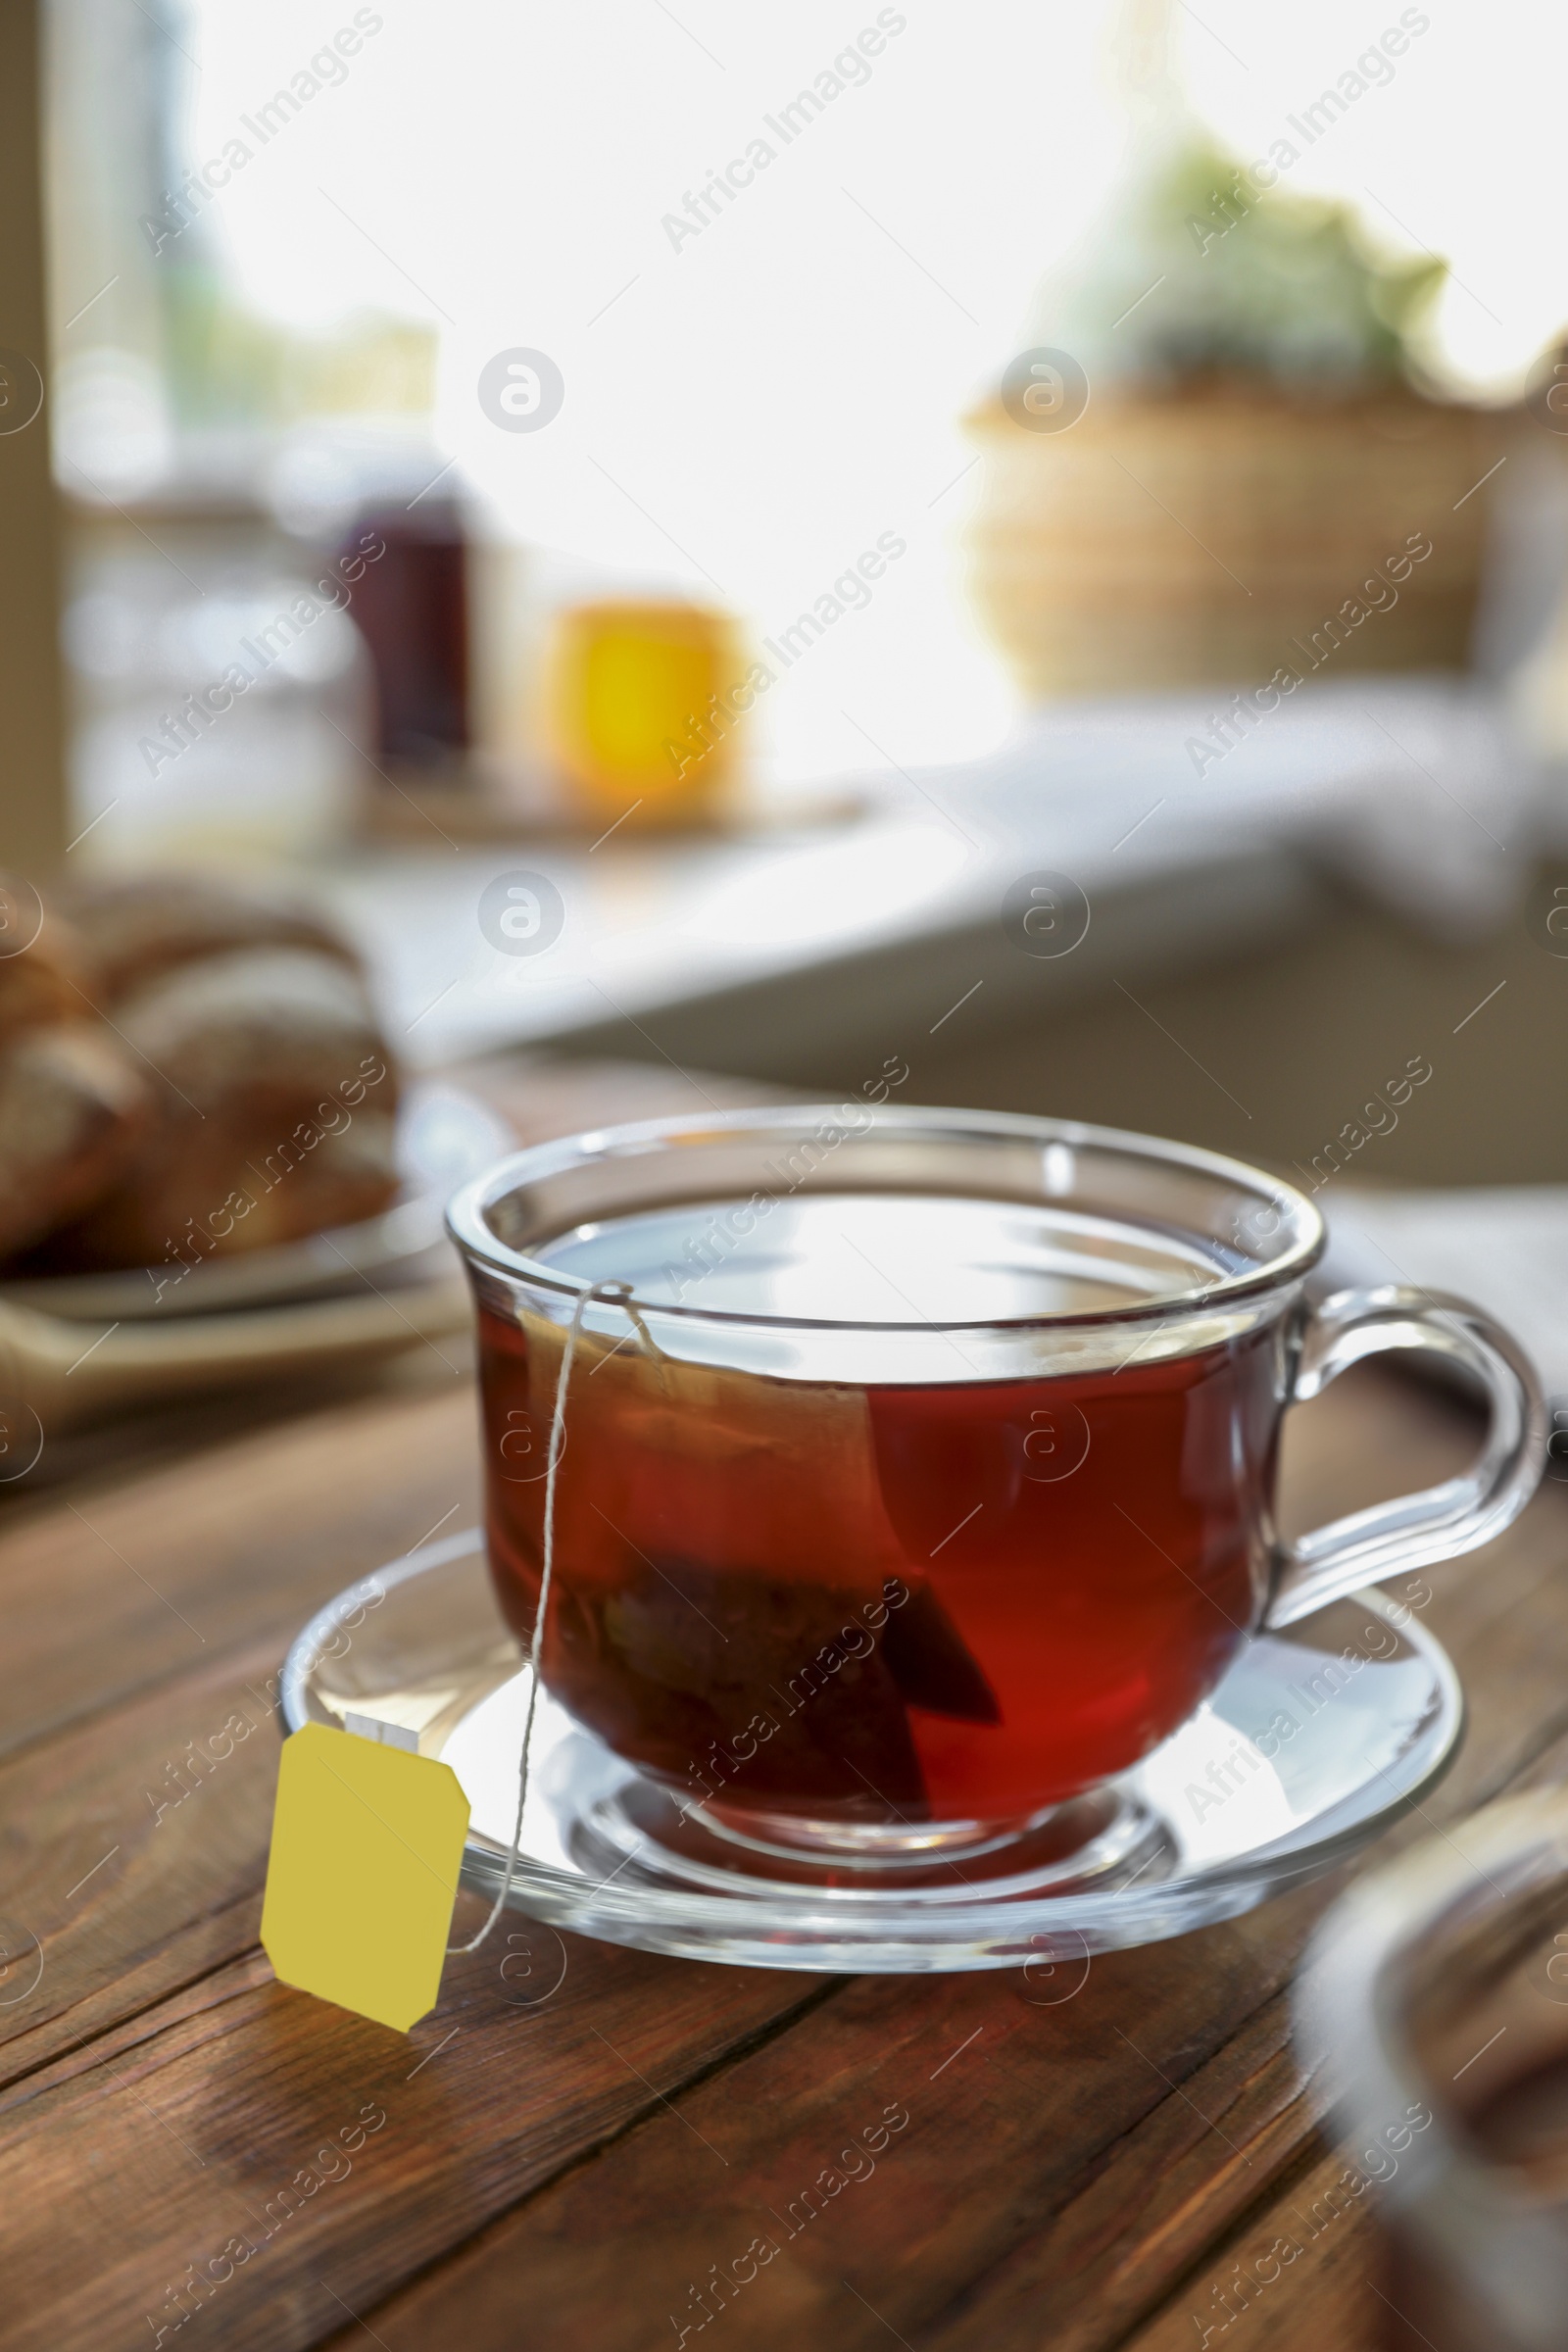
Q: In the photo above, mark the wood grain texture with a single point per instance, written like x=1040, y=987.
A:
x=1059, y=2179
x=158, y=1574
x=1318, y=2284
x=220, y=2116
x=1082, y=2173
x=1009, y=2106
x=160, y=2088
x=1336, y=2289
x=135, y=1848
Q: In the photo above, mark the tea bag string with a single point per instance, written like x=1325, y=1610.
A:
x=614, y=1293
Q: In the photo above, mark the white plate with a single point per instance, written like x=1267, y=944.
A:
x=444, y=1137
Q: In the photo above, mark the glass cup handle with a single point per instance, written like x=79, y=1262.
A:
x=1414, y=1531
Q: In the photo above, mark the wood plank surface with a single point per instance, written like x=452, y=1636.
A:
x=566, y=2164
x=1059, y=2177
x=218, y=2119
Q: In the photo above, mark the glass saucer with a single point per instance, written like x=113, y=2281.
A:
x=1317, y=1738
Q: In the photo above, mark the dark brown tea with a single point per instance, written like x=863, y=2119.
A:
x=869, y=1601
x=1430, y=2294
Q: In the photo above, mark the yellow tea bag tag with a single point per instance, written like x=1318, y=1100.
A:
x=366, y=1846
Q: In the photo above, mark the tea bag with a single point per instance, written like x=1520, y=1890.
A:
x=932, y=1664
x=731, y=1606
x=772, y=1689
x=733, y=1469
x=362, y=1871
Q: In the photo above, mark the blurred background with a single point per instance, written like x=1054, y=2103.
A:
x=1028, y=540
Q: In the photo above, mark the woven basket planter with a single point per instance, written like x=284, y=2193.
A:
x=1192, y=538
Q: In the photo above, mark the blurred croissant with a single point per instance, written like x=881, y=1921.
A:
x=186, y=1071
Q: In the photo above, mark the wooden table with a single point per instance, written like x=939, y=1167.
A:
x=565, y=2172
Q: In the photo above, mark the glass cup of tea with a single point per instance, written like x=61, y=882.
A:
x=1433, y=2008
x=916, y=1468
